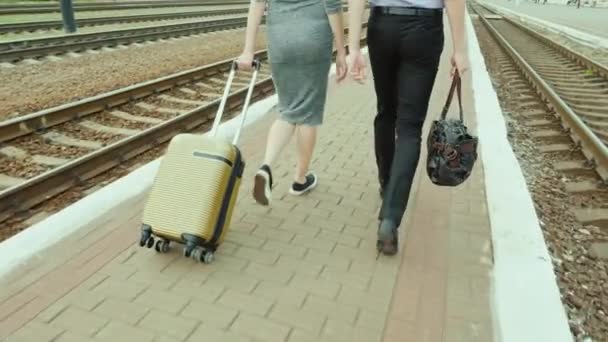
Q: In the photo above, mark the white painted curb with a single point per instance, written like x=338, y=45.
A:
x=581, y=37
x=526, y=299
x=40, y=236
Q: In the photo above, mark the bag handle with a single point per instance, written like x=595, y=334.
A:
x=456, y=84
x=256, y=68
x=256, y=64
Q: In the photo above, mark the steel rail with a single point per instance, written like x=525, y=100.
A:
x=51, y=183
x=35, y=48
x=78, y=7
x=581, y=59
x=58, y=24
x=591, y=146
x=44, y=119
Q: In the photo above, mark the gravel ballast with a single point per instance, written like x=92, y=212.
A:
x=28, y=88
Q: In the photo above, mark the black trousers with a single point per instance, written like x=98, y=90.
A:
x=404, y=52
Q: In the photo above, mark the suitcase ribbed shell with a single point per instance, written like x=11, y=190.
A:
x=189, y=188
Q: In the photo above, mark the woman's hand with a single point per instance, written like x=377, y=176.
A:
x=245, y=61
x=460, y=62
x=341, y=66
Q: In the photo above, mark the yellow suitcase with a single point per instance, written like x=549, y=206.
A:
x=195, y=189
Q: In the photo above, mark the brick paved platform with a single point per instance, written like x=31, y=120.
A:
x=303, y=270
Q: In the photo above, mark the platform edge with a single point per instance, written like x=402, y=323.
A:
x=526, y=299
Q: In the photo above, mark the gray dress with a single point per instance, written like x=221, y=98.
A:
x=300, y=44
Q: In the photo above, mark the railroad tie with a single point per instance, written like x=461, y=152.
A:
x=238, y=82
x=53, y=58
x=92, y=125
x=538, y=123
x=31, y=61
x=155, y=108
x=187, y=91
x=21, y=154
x=554, y=148
x=14, y=152
x=136, y=118
x=219, y=82
x=546, y=133
x=69, y=141
x=583, y=186
x=48, y=160
x=206, y=86
x=182, y=101
x=9, y=182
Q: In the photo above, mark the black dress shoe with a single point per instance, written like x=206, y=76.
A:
x=388, y=239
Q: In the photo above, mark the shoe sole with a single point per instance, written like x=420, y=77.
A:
x=300, y=193
x=387, y=248
x=387, y=242
x=261, y=191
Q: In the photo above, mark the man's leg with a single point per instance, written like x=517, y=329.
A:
x=420, y=50
x=382, y=40
x=417, y=84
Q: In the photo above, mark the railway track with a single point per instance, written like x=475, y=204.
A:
x=556, y=106
x=18, y=50
x=15, y=51
x=46, y=153
x=572, y=85
x=105, y=6
x=58, y=24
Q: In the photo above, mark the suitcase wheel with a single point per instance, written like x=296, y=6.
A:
x=146, y=238
x=202, y=255
x=162, y=246
x=207, y=257
x=150, y=242
x=188, y=251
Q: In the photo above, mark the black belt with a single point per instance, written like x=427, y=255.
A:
x=406, y=11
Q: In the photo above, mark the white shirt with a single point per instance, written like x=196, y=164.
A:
x=408, y=3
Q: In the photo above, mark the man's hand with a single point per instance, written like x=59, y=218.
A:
x=460, y=62
x=357, y=65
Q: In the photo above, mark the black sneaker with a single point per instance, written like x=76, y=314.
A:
x=299, y=189
x=262, y=188
x=388, y=239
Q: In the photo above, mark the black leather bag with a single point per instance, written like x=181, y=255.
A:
x=452, y=151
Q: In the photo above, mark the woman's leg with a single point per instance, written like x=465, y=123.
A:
x=304, y=180
x=306, y=139
x=278, y=137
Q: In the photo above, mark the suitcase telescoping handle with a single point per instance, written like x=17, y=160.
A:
x=220, y=111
